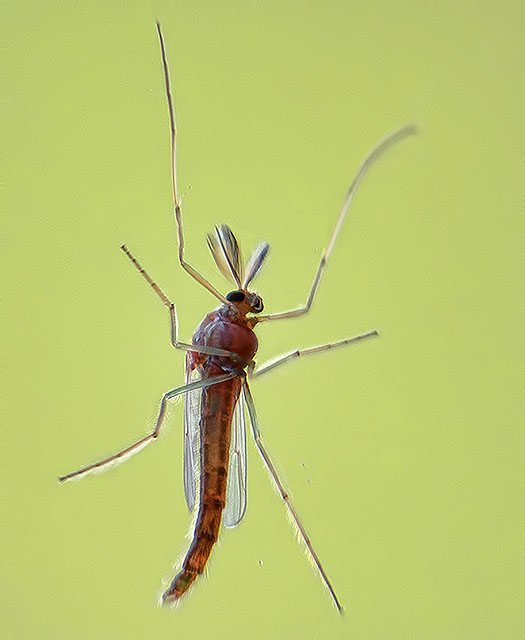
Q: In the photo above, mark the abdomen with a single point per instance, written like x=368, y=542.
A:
x=218, y=404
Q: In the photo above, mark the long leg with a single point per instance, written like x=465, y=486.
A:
x=173, y=316
x=140, y=444
x=178, y=218
x=367, y=163
x=284, y=495
x=305, y=352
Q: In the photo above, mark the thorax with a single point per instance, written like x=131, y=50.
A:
x=223, y=328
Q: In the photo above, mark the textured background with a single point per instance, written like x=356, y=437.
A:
x=402, y=453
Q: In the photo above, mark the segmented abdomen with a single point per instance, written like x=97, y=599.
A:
x=218, y=403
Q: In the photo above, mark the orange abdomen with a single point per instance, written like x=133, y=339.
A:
x=218, y=404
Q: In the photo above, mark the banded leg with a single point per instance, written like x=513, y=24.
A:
x=305, y=352
x=178, y=218
x=173, y=316
x=143, y=442
x=366, y=164
x=284, y=495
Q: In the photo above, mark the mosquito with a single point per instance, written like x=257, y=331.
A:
x=219, y=363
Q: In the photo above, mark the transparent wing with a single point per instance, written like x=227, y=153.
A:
x=192, y=413
x=237, y=475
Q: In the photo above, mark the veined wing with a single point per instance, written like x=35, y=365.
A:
x=192, y=414
x=236, y=487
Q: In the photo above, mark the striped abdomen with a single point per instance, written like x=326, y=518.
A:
x=218, y=404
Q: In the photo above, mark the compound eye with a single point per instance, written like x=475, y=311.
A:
x=235, y=296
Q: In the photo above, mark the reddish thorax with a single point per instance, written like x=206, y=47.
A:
x=226, y=328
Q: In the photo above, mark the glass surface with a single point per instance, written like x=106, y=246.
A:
x=402, y=452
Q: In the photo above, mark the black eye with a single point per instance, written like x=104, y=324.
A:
x=235, y=296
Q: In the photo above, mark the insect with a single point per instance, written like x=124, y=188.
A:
x=219, y=363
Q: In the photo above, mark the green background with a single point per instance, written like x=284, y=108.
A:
x=402, y=453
